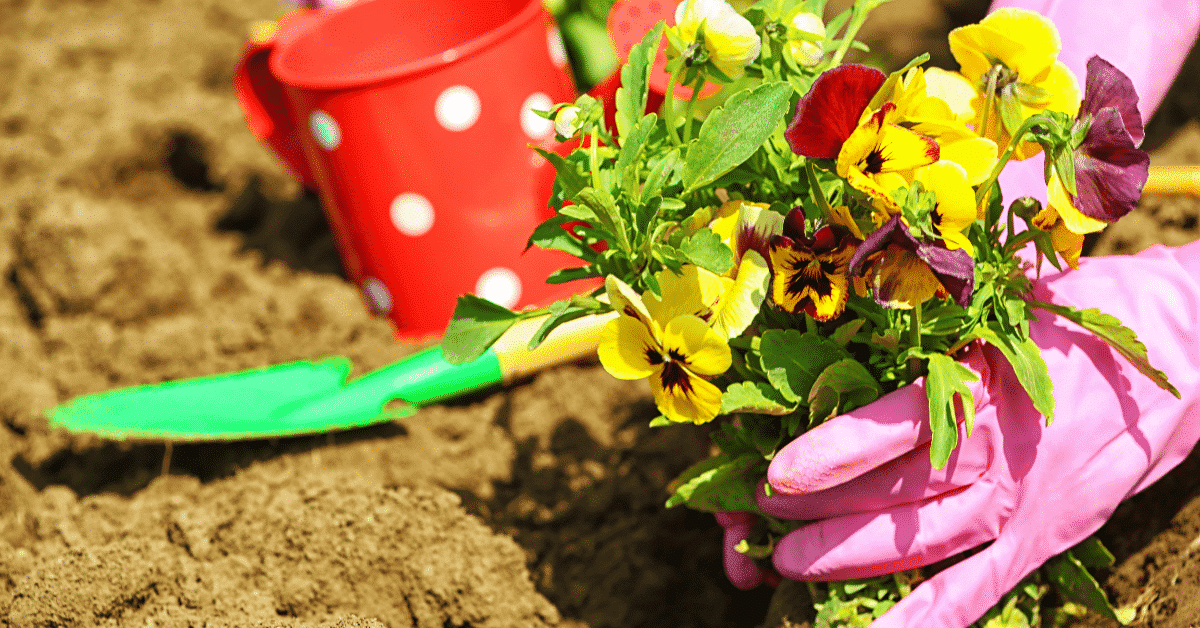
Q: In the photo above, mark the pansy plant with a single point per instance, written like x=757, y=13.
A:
x=825, y=232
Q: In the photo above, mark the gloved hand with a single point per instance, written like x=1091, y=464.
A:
x=988, y=490
x=1034, y=490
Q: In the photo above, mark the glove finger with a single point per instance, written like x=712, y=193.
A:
x=898, y=538
x=962, y=593
x=907, y=479
x=856, y=442
x=742, y=571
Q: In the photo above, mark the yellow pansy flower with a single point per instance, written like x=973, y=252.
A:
x=677, y=355
x=877, y=151
x=1011, y=57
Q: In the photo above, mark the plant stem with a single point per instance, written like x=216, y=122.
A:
x=861, y=10
x=669, y=107
x=687, y=115
x=915, y=364
x=985, y=188
x=594, y=159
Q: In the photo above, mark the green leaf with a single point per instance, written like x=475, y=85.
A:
x=720, y=485
x=604, y=209
x=560, y=312
x=756, y=397
x=635, y=81
x=551, y=235
x=945, y=379
x=660, y=172
x=564, y=275
x=1011, y=114
x=661, y=421
x=475, y=327
x=1092, y=553
x=628, y=162
x=569, y=177
x=1119, y=337
x=706, y=250
x=794, y=360
x=845, y=333
x=1026, y=359
x=732, y=133
x=842, y=386
x=1074, y=582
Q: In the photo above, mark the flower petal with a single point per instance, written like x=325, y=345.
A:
x=954, y=269
x=1073, y=219
x=624, y=300
x=738, y=307
x=953, y=89
x=626, y=348
x=805, y=281
x=1106, y=86
x=683, y=397
x=977, y=156
x=901, y=149
x=1109, y=171
x=830, y=111
x=900, y=280
x=692, y=341
x=955, y=201
x=694, y=291
x=1025, y=41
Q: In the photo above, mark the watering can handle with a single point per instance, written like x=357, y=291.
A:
x=265, y=106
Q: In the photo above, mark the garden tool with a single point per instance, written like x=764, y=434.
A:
x=310, y=397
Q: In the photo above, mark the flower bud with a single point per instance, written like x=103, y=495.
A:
x=567, y=122
x=807, y=53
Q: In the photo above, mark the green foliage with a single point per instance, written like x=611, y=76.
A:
x=1119, y=337
x=1026, y=359
x=1069, y=575
x=857, y=603
x=734, y=132
x=476, y=325
x=946, y=380
x=793, y=360
x=706, y=250
x=841, y=387
x=720, y=484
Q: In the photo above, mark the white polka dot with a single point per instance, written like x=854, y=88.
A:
x=412, y=214
x=378, y=297
x=325, y=130
x=535, y=126
x=558, y=50
x=457, y=108
x=499, y=285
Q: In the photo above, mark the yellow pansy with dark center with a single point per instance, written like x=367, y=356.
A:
x=678, y=354
x=878, y=146
x=810, y=274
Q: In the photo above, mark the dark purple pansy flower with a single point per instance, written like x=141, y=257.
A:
x=829, y=112
x=905, y=272
x=1110, y=170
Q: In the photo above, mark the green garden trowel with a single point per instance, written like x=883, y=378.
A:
x=308, y=397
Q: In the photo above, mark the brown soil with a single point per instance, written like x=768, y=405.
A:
x=147, y=236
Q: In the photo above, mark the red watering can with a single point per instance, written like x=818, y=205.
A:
x=413, y=121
